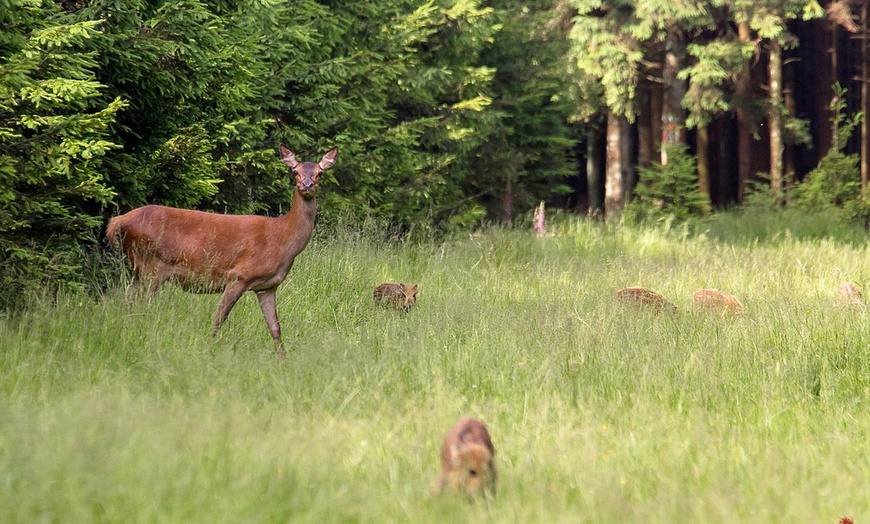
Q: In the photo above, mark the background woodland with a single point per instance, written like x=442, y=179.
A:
x=448, y=114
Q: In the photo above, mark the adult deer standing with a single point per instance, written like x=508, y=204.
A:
x=212, y=253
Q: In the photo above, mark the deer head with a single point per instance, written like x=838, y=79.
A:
x=307, y=173
x=472, y=468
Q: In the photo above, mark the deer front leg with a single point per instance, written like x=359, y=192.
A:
x=231, y=295
x=268, y=305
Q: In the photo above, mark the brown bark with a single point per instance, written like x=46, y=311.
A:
x=744, y=133
x=594, y=175
x=614, y=198
x=834, y=57
x=655, y=111
x=703, y=146
x=673, y=114
x=790, y=104
x=774, y=120
x=865, y=99
x=627, y=157
x=645, y=142
x=508, y=202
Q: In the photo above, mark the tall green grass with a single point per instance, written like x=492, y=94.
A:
x=599, y=412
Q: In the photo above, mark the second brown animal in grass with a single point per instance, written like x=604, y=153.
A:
x=849, y=294
x=715, y=300
x=467, y=460
x=396, y=296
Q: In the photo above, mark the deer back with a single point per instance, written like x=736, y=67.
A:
x=205, y=244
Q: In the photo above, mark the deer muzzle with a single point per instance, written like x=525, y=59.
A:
x=308, y=188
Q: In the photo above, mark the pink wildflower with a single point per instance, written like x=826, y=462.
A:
x=539, y=219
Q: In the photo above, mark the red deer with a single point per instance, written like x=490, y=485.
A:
x=467, y=460
x=230, y=254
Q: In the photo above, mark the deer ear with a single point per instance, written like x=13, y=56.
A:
x=328, y=159
x=288, y=157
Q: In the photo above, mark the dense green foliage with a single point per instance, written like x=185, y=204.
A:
x=669, y=191
x=55, y=123
x=524, y=157
x=599, y=412
x=110, y=105
x=836, y=181
x=448, y=114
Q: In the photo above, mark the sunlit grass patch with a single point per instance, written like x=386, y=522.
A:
x=599, y=412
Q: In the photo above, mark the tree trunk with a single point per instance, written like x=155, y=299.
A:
x=508, y=202
x=789, y=147
x=774, y=120
x=744, y=133
x=614, y=199
x=865, y=99
x=703, y=147
x=673, y=114
x=594, y=174
x=646, y=146
x=726, y=160
x=655, y=112
x=627, y=157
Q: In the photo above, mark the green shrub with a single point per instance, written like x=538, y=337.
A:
x=836, y=181
x=55, y=124
x=669, y=191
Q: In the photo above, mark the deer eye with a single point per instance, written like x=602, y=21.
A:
x=472, y=472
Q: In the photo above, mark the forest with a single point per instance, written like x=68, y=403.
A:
x=448, y=114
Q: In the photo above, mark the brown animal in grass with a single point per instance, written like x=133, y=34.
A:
x=467, y=460
x=715, y=300
x=849, y=294
x=228, y=254
x=396, y=296
x=647, y=298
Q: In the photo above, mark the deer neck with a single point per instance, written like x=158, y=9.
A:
x=299, y=223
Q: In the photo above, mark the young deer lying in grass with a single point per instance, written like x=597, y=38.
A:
x=228, y=254
x=397, y=296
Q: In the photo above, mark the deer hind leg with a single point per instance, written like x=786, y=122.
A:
x=142, y=285
x=268, y=305
x=147, y=277
x=229, y=298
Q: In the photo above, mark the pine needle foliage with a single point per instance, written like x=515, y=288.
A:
x=669, y=191
x=55, y=131
x=836, y=181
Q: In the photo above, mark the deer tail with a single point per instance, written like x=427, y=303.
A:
x=113, y=232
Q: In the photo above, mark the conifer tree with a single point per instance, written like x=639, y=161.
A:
x=55, y=130
x=620, y=41
x=528, y=156
x=768, y=19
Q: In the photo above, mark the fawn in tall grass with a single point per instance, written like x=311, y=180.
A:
x=467, y=460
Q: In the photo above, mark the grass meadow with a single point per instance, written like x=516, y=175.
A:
x=599, y=412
